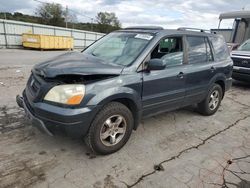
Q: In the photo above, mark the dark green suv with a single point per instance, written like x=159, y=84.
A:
x=103, y=92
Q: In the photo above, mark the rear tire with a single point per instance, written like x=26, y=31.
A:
x=212, y=101
x=110, y=129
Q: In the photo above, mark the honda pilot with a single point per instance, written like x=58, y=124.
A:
x=103, y=92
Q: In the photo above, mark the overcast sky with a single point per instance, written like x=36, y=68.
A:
x=166, y=13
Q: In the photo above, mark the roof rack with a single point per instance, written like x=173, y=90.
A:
x=193, y=29
x=144, y=28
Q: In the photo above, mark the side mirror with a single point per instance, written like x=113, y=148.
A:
x=155, y=64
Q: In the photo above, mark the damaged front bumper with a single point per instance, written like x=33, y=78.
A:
x=50, y=119
x=35, y=121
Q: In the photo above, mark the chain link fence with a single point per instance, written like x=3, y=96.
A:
x=11, y=33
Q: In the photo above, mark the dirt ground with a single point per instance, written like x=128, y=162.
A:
x=177, y=149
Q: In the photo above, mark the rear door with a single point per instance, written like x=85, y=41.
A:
x=164, y=90
x=200, y=69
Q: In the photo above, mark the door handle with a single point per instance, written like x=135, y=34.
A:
x=180, y=75
x=213, y=69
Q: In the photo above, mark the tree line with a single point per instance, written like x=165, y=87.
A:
x=54, y=14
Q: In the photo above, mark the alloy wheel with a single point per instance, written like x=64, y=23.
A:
x=214, y=100
x=113, y=130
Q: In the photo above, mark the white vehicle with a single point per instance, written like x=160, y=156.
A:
x=240, y=31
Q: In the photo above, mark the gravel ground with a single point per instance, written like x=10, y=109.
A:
x=176, y=149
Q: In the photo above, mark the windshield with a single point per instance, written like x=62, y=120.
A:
x=119, y=48
x=245, y=46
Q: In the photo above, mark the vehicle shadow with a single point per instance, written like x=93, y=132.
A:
x=77, y=146
x=61, y=142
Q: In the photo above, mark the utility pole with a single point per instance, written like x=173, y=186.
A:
x=66, y=16
x=5, y=16
x=92, y=23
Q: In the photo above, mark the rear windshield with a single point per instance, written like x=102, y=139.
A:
x=120, y=48
x=221, y=51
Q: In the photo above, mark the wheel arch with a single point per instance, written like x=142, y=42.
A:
x=219, y=79
x=130, y=103
x=133, y=107
x=221, y=83
x=128, y=97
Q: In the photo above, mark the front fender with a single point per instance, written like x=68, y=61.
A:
x=115, y=93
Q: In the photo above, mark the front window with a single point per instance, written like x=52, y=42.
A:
x=170, y=51
x=119, y=48
x=245, y=46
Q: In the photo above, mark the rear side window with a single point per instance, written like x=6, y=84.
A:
x=197, y=49
x=221, y=51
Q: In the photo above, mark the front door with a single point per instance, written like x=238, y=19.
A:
x=164, y=90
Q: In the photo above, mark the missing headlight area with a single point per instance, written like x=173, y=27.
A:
x=83, y=79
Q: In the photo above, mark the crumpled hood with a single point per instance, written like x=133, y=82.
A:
x=76, y=63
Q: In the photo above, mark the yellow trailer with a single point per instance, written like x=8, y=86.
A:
x=46, y=41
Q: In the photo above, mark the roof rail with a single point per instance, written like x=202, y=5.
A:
x=144, y=28
x=193, y=29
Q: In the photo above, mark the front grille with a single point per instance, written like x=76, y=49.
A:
x=37, y=87
x=241, y=62
x=34, y=88
x=33, y=85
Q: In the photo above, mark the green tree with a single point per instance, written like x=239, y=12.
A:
x=51, y=14
x=107, y=22
x=72, y=22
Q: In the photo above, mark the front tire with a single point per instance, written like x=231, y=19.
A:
x=110, y=129
x=212, y=101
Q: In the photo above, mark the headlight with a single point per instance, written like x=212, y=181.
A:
x=71, y=94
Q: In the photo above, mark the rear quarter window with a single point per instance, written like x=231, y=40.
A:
x=221, y=51
x=197, y=51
